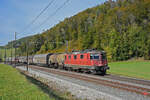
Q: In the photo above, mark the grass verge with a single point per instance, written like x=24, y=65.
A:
x=14, y=86
x=49, y=87
x=137, y=69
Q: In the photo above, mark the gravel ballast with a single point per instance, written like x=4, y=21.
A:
x=85, y=90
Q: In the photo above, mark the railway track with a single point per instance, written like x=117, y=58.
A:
x=127, y=79
x=96, y=80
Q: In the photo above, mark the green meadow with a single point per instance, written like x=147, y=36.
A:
x=137, y=69
x=17, y=86
x=14, y=86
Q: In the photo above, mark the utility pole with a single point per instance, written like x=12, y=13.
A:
x=5, y=55
x=1, y=55
x=27, y=44
x=11, y=51
x=67, y=46
x=66, y=42
x=15, y=47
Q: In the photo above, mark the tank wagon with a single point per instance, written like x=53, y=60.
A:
x=57, y=60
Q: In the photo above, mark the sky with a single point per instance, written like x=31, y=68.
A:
x=16, y=15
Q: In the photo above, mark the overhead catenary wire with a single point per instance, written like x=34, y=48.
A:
x=51, y=15
x=54, y=13
x=33, y=21
x=29, y=34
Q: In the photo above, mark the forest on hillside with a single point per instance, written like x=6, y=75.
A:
x=120, y=27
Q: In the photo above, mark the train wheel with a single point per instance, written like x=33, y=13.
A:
x=62, y=66
x=80, y=71
x=88, y=72
x=56, y=65
x=94, y=72
x=66, y=68
x=104, y=72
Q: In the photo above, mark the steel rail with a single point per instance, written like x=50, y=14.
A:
x=122, y=86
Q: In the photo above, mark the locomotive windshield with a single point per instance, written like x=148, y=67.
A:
x=103, y=56
x=94, y=56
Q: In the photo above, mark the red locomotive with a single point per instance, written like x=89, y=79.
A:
x=90, y=61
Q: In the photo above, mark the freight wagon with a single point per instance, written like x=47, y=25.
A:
x=57, y=60
x=41, y=59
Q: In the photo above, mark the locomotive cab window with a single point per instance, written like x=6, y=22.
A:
x=103, y=56
x=94, y=56
x=65, y=57
x=70, y=57
x=75, y=56
x=81, y=56
x=91, y=57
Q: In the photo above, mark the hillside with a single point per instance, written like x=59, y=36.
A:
x=18, y=42
x=121, y=28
